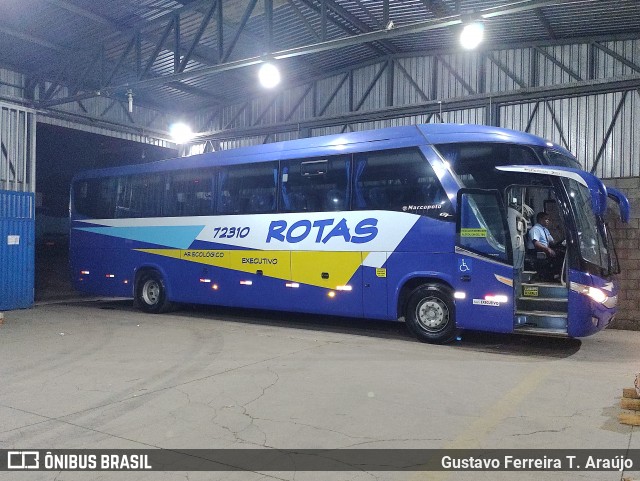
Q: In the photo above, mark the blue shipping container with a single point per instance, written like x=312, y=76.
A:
x=17, y=238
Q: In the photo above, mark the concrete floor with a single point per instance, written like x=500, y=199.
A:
x=98, y=374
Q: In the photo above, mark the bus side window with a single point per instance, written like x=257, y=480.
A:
x=316, y=185
x=248, y=189
x=189, y=193
x=95, y=198
x=401, y=180
x=147, y=195
x=82, y=203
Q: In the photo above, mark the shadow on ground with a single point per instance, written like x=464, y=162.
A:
x=507, y=344
x=52, y=277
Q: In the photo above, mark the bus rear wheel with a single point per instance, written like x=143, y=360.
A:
x=430, y=314
x=151, y=293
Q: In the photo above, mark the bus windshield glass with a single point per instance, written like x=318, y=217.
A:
x=474, y=162
x=561, y=160
x=593, y=247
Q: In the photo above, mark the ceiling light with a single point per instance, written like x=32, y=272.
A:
x=269, y=75
x=472, y=35
x=180, y=133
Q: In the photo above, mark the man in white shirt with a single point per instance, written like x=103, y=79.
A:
x=541, y=240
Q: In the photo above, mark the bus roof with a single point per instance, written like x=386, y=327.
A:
x=368, y=140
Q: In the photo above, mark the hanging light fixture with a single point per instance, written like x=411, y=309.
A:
x=180, y=133
x=472, y=35
x=269, y=75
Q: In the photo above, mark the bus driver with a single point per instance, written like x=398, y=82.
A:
x=541, y=241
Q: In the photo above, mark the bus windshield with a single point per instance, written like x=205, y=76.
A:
x=562, y=160
x=592, y=244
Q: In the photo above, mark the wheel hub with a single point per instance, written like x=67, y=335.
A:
x=432, y=314
x=151, y=292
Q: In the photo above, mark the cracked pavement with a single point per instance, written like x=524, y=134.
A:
x=205, y=378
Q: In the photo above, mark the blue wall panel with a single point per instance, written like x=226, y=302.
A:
x=17, y=237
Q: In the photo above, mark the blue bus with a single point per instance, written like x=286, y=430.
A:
x=425, y=223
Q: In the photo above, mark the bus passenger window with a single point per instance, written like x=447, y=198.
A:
x=139, y=196
x=315, y=185
x=95, y=198
x=247, y=189
x=401, y=180
x=189, y=193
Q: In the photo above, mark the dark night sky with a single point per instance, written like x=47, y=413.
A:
x=62, y=152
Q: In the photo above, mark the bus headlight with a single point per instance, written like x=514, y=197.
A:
x=594, y=293
x=597, y=295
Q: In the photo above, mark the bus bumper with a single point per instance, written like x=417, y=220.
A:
x=593, y=303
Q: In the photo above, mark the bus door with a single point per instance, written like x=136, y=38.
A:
x=484, y=263
x=591, y=297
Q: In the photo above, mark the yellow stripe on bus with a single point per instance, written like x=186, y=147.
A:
x=316, y=268
x=308, y=267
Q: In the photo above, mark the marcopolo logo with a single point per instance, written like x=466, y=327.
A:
x=323, y=231
x=413, y=208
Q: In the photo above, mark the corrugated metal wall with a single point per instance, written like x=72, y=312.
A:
x=17, y=237
x=11, y=84
x=601, y=129
x=17, y=149
x=581, y=125
x=17, y=211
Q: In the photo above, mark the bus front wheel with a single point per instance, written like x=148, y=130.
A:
x=151, y=293
x=430, y=314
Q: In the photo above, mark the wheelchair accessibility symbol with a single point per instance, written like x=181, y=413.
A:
x=465, y=265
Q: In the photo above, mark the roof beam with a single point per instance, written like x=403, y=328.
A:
x=353, y=20
x=203, y=25
x=322, y=11
x=545, y=23
x=433, y=107
x=498, y=63
x=84, y=13
x=159, y=45
x=369, y=15
x=169, y=17
x=456, y=75
x=558, y=63
x=243, y=23
x=161, y=20
x=617, y=56
x=33, y=39
x=303, y=19
x=438, y=8
x=358, y=39
x=189, y=89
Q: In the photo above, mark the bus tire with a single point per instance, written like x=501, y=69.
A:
x=151, y=293
x=430, y=314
